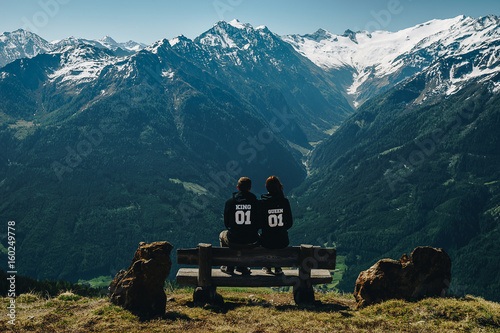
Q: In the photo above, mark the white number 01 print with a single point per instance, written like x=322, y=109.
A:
x=242, y=217
x=275, y=220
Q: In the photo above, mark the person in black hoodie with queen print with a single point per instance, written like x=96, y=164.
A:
x=276, y=218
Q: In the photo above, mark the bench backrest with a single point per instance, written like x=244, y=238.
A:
x=294, y=256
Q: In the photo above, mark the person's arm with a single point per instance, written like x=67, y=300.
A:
x=258, y=215
x=228, y=214
x=288, y=215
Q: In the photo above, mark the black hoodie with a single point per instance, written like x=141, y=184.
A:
x=241, y=218
x=276, y=220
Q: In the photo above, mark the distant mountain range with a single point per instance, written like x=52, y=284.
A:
x=371, y=63
x=388, y=140
x=366, y=64
x=24, y=44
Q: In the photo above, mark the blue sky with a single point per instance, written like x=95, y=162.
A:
x=150, y=20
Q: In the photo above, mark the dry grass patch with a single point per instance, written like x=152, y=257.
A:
x=254, y=310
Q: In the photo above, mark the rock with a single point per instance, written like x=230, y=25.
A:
x=425, y=273
x=140, y=288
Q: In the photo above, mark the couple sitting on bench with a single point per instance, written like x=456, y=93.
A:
x=245, y=215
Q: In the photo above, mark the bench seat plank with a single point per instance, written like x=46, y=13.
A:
x=188, y=276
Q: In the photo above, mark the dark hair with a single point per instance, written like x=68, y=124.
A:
x=273, y=185
x=244, y=184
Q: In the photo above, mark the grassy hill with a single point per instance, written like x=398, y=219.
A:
x=254, y=310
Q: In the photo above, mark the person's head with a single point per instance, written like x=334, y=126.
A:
x=244, y=184
x=274, y=186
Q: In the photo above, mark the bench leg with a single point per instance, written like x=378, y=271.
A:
x=303, y=291
x=207, y=295
x=303, y=294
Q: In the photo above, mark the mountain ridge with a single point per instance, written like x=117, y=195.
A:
x=25, y=44
x=374, y=57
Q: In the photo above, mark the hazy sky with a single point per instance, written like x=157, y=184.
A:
x=150, y=20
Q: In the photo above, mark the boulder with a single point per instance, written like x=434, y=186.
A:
x=425, y=273
x=140, y=288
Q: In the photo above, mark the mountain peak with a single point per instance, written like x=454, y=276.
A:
x=109, y=40
x=237, y=24
x=157, y=46
x=319, y=35
x=21, y=44
x=321, y=31
x=18, y=31
x=21, y=34
x=351, y=34
x=179, y=39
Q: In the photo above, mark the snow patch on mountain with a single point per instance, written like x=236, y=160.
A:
x=124, y=69
x=133, y=46
x=80, y=64
x=168, y=74
x=219, y=38
x=237, y=24
x=174, y=41
x=496, y=87
x=156, y=47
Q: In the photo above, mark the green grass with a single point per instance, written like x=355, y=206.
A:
x=341, y=267
x=98, y=282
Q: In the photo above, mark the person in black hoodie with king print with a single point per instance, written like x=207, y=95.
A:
x=276, y=218
x=241, y=218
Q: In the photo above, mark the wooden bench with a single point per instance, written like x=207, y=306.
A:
x=312, y=266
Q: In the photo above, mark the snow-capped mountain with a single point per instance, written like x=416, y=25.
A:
x=255, y=66
x=268, y=73
x=234, y=44
x=376, y=61
x=24, y=44
x=79, y=64
x=229, y=41
x=21, y=44
x=104, y=43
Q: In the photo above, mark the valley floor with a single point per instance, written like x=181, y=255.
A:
x=253, y=310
